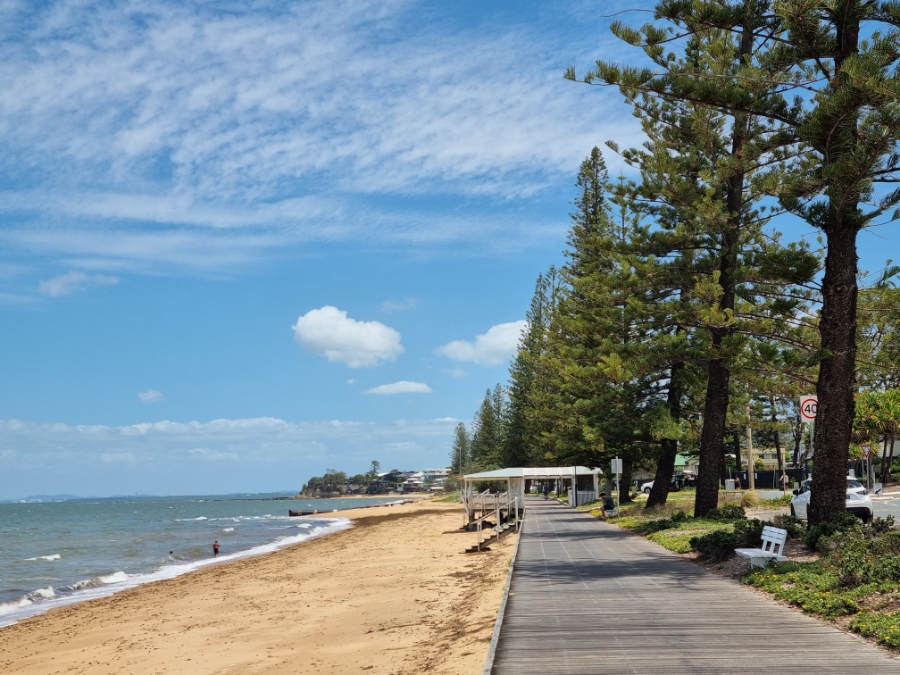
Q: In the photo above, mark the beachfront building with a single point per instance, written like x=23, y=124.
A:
x=583, y=483
x=435, y=475
x=413, y=483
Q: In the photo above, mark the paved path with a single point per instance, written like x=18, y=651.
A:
x=589, y=598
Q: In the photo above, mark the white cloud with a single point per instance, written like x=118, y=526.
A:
x=151, y=396
x=352, y=381
x=402, y=387
x=447, y=419
x=402, y=306
x=490, y=349
x=456, y=372
x=329, y=332
x=211, y=455
x=74, y=282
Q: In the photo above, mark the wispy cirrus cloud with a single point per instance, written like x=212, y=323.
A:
x=200, y=139
x=74, y=282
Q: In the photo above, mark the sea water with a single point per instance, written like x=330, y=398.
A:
x=57, y=553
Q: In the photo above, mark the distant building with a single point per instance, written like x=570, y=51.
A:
x=435, y=475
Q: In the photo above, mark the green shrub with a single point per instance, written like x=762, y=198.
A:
x=717, y=544
x=792, y=524
x=749, y=532
x=823, y=603
x=651, y=526
x=720, y=544
x=783, y=500
x=882, y=525
x=846, y=522
x=679, y=542
x=885, y=628
x=727, y=513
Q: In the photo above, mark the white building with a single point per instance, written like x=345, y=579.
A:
x=435, y=475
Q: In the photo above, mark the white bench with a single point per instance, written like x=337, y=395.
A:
x=773, y=539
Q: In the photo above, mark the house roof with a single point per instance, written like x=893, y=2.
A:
x=534, y=472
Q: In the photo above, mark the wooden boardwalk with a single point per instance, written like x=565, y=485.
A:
x=589, y=598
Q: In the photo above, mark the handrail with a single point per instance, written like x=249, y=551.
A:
x=514, y=502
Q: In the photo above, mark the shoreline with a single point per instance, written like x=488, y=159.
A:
x=98, y=587
x=381, y=595
x=58, y=594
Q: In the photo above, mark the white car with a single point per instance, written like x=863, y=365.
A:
x=859, y=503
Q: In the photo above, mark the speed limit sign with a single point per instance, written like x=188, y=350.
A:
x=809, y=406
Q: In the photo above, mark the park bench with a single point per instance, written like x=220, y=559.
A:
x=772, y=543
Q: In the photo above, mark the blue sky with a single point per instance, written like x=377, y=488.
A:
x=242, y=242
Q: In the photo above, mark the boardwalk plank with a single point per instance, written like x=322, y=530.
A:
x=587, y=598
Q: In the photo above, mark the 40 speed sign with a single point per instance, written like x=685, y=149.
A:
x=809, y=406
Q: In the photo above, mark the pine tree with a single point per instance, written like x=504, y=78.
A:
x=702, y=163
x=594, y=403
x=459, y=452
x=839, y=141
x=487, y=431
x=521, y=443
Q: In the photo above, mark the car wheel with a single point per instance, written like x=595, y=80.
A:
x=865, y=519
x=646, y=491
x=793, y=513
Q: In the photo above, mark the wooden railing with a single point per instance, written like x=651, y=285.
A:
x=511, y=506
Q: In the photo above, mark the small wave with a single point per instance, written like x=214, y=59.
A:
x=41, y=593
x=201, y=518
x=55, y=556
x=228, y=529
x=14, y=605
x=114, y=578
x=96, y=582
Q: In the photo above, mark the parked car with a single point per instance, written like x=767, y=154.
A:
x=853, y=485
x=679, y=480
x=859, y=503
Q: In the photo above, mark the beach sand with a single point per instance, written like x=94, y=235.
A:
x=394, y=594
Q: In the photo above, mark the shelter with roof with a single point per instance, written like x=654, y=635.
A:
x=586, y=479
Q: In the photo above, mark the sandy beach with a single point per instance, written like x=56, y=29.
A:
x=392, y=595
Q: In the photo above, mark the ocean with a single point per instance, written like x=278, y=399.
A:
x=57, y=553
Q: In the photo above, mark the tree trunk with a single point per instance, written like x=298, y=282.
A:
x=665, y=467
x=884, y=462
x=715, y=407
x=736, y=437
x=837, y=376
x=777, y=439
x=625, y=481
x=712, y=454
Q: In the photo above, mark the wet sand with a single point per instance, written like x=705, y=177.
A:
x=392, y=595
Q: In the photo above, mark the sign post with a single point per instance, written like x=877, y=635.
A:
x=616, y=466
x=809, y=408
